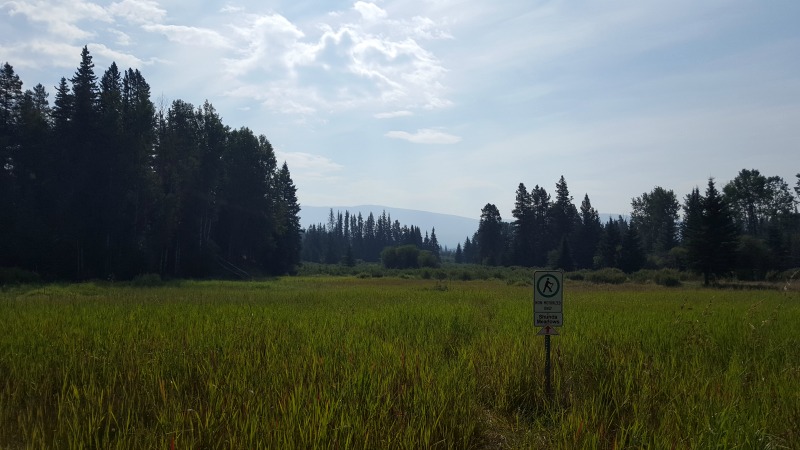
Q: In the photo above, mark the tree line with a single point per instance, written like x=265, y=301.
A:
x=102, y=184
x=348, y=238
x=749, y=228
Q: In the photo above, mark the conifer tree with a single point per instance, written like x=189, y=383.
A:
x=587, y=236
x=490, y=236
x=523, y=227
x=709, y=233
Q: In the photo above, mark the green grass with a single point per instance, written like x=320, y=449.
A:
x=323, y=362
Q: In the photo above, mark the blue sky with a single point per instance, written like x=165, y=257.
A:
x=446, y=105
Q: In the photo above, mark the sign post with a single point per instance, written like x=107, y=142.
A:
x=548, y=299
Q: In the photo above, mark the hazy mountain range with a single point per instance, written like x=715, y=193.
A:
x=450, y=230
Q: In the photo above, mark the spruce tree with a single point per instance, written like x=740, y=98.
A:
x=609, y=246
x=631, y=255
x=523, y=233
x=541, y=241
x=709, y=233
x=587, y=236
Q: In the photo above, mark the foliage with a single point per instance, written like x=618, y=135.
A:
x=709, y=233
x=606, y=276
x=490, y=236
x=655, y=217
x=349, y=237
x=103, y=186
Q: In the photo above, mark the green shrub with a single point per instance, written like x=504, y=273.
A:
x=607, y=276
x=575, y=276
x=147, y=280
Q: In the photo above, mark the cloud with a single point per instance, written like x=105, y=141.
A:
x=308, y=166
x=370, y=11
x=231, y=9
x=202, y=37
x=339, y=64
x=425, y=136
x=122, y=59
x=61, y=17
x=138, y=11
x=123, y=39
x=393, y=114
x=39, y=53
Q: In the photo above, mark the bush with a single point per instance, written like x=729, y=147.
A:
x=147, y=280
x=663, y=277
x=607, y=276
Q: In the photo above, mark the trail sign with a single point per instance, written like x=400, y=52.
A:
x=548, y=298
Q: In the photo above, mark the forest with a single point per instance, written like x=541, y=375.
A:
x=748, y=229
x=102, y=184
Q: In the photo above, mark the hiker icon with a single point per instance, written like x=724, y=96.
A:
x=548, y=286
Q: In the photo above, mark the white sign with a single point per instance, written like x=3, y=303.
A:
x=548, y=298
x=548, y=319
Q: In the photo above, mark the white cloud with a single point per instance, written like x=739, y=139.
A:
x=138, y=11
x=393, y=114
x=370, y=11
x=61, y=17
x=123, y=39
x=41, y=53
x=337, y=65
x=425, y=136
x=231, y=9
x=202, y=37
x=124, y=60
x=309, y=166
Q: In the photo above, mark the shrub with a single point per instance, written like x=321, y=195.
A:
x=147, y=280
x=607, y=276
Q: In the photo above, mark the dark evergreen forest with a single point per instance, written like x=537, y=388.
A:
x=102, y=184
x=348, y=238
x=748, y=229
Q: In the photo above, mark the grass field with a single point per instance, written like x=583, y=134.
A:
x=323, y=362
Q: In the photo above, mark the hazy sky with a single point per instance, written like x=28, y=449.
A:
x=446, y=105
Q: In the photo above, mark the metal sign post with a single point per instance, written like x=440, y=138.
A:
x=548, y=298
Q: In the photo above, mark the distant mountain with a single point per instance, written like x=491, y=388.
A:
x=450, y=230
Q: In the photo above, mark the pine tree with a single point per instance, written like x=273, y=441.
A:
x=10, y=99
x=541, y=241
x=563, y=214
x=587, y=236
x=631, y=255
x=523, y=227
x=288, y=230
x=709, y=233
x=433, y=245
x=609, y=246
x=490, y=236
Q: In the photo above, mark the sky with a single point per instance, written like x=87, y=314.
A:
x=447, y=105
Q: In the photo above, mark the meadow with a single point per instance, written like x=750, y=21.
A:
x=391, y=362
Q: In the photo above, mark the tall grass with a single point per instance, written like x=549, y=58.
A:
x=373, y=363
